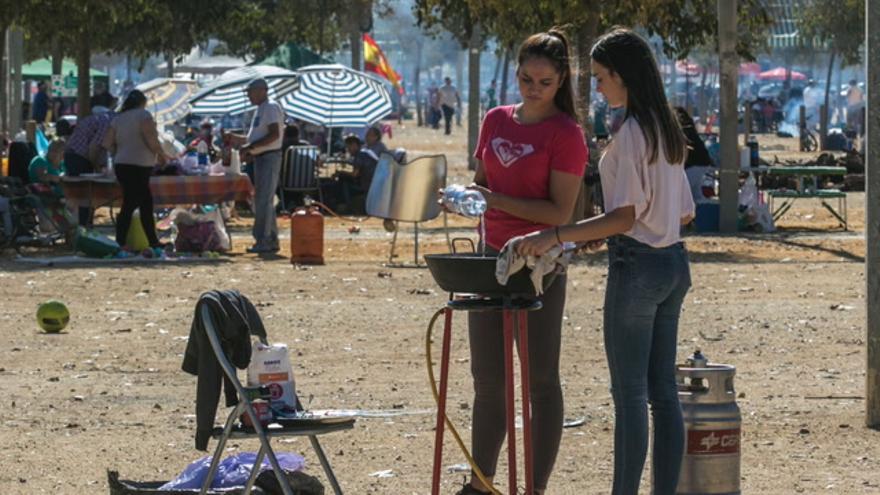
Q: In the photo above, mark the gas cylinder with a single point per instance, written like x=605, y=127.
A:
x=307, y=236
x=712, y=420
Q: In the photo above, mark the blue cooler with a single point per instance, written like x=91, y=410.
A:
x=707, y=217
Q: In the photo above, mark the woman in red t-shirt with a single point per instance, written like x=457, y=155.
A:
x=531, y=160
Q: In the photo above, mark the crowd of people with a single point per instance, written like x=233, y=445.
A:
x=130, y=140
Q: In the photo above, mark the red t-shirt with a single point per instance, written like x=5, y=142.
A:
x=518, y=158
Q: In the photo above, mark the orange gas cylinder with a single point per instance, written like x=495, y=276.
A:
x=307, y=236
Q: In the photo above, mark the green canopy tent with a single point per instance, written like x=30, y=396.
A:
x=292, y=56
x=41, y=70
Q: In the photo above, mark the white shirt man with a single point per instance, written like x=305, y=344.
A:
x=263, y=143
x=855, y=100
x=449, y=94
x=811, y=102
x=449, y=101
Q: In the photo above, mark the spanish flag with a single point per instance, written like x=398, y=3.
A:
x=375, y=61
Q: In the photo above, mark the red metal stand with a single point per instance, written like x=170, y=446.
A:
x=441, y=403
x=515, y=318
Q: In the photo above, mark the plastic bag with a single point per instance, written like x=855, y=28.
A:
x=270, y=367
x=232, y=472
x=748, y=194
x=199, y=237
x=758, y=217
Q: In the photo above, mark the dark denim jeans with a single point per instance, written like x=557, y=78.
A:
x=646, y=287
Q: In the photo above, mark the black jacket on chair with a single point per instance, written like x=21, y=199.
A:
x=235, y=320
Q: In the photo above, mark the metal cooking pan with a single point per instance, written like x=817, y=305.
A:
x=472, y=273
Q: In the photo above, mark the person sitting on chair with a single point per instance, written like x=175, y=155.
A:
x=45, y=184
x=47, y=171
x=292, y=137
x=374, y=141
x=363, y=161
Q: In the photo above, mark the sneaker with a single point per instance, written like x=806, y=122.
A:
x=256, y=248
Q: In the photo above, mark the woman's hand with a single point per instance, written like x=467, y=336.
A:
x=440, y=201
x=537, y=243
x=162, y=159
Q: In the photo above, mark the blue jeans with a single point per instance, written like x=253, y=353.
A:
x=646, y=287
x=267, y=170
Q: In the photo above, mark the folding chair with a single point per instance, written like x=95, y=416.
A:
x=407, y=193
x=299, y=171
x=264, y=434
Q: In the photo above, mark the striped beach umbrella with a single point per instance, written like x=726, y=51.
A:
x=168, y=99
x=336, y=96
x=226, y=94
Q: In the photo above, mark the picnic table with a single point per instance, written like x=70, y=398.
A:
x=97, y=191
x=807, y=179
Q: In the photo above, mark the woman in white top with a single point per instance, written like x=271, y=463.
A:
x=647, y=199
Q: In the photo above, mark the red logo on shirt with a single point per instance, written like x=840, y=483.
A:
x=508, y=152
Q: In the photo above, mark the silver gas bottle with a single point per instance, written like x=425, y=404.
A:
x=712, y=421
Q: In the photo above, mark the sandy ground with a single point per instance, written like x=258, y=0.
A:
x=786, y=309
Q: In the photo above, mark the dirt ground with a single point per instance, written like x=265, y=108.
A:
x=786, y=309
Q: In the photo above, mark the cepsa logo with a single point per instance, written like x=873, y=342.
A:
x=710, y=442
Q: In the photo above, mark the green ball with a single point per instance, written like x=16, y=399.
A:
x=53, y=316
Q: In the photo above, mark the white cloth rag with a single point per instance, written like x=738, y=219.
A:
x=509, y=262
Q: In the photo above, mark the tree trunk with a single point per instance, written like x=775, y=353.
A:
x=57, y=57
x=474, y=49
x=498, y=63
x=169, y=65
x=83, y=86
x=838, y=104
x=872, y=218
x=786, y=86
x=583, y=95
x=673, y=82
x=417, y=88
x=4, y=88
x=459, y=81
x=505, y=69
x=727, y=132
x=354, y=38
x=322, y=19
x=15, y=48
x=823, y=125
x=701, y=113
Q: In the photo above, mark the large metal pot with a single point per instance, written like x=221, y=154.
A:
x=472, y=273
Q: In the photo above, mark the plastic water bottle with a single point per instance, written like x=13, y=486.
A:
x=202, y=150
x=463, y=201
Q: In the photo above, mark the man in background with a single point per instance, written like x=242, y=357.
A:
x=449, y=101
x=263, y=145
x=811, y=102
x=40, y=107
x=85, y=153
x=102, y=97
x=855, y=101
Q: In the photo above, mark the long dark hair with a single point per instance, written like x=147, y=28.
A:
x=628, y=55
x=553, y=46
x=135, y=99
